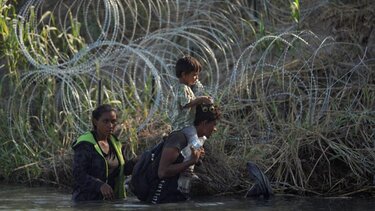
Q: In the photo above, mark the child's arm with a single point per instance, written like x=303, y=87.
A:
x=199, y=100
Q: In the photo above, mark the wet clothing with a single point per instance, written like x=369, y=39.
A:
x=91, y=168
x=166, y=190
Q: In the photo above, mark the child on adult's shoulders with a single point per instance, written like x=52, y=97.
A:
x=187, y=72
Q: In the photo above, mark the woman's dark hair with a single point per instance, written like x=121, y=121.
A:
x=206, y=112
x=187, y=64
x=99, y=111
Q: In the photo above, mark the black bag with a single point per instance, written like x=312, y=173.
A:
x=144, y=171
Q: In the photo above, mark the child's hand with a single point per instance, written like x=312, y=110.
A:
x=205, y=100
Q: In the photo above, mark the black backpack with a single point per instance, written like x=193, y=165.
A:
x=144, y=171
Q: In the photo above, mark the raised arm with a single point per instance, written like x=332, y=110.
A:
x=199, y=100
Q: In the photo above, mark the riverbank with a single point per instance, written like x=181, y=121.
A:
x=220, y=173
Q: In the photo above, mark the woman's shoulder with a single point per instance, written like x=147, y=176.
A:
x=83, y=145
x=177, y=135
x=176, y=139
x=84, y=141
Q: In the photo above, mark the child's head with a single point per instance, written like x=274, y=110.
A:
x=187, y=70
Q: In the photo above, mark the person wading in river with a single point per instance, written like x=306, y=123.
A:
x=99, y=166
x=164, y=186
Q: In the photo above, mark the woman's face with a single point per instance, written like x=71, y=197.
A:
x=106, y=123
x=209, y=128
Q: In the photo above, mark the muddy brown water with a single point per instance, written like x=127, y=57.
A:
x=15, y=197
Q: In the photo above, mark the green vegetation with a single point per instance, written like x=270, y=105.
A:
x=295, y=10
x=299, y=103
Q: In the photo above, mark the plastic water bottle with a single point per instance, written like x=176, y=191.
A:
x=186, y=152
x=196, y=144
x=184, y=181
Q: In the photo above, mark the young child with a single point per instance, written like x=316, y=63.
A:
x=187, y=70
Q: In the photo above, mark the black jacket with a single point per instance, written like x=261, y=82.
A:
x=89, y=172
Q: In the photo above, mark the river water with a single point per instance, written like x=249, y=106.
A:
x=14, y=197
